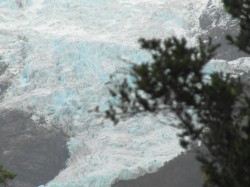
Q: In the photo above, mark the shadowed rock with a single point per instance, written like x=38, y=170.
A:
x=216, y=23
x=35, y=154
x=183, y=171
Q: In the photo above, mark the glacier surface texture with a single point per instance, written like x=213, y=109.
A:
x=60, y=54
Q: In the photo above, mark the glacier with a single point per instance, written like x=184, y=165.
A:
x=60, y=54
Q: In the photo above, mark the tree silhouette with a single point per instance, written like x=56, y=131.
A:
x=213, y=109
x=6, y=176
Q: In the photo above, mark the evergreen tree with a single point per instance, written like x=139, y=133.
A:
x=212, y=109
x=5, y=176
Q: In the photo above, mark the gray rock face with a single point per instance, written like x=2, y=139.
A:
x=183, y=171
x=216, y=23
x=34, y=153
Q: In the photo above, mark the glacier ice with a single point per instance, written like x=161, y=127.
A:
x=60, y=54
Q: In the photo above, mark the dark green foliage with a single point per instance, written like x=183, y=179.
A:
x=5, y=176
x=175, y=67
x=240, y=9
x=212, y=109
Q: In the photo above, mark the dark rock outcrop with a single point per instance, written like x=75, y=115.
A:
x=216, y=23
x=35, y=154
x=183, y=171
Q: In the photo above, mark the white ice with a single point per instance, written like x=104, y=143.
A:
x=60, y=54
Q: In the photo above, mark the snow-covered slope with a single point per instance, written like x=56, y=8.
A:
x=60, y=54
